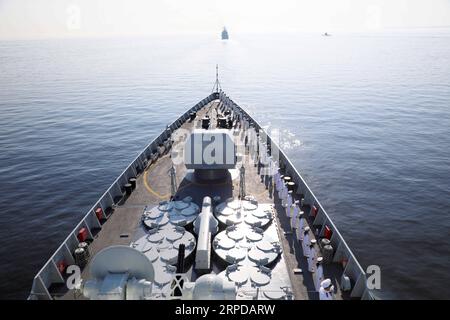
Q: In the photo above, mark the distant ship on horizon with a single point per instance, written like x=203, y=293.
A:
x=225, y=34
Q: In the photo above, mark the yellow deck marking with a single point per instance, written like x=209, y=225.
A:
x=149, y=189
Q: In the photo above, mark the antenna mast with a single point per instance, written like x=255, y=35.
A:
x=217, y=87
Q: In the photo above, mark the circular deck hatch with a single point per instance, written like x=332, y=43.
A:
x=236, y=254
x=180, y=205
x=178, y=220
x=155, y=237
x=260, y=214
x=158, y=222
x=275, y=295
x=236, y=234
x=153, y=214
x=235, y=204
x=174, y=235
x=152, y=254
x=227, y=211
x=265, y=246
x=163, y=277
x=239, y=276
x=165, y=206
x=261, y=257
x=226, y=243
x=250, y=206
x=254, y=236
x=189, y=211
x=169, y=255
x=253, y=221
x=260, y=278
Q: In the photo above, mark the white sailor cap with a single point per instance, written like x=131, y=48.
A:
x=306, y=229
x=325, y=283
x=319, y=260
x=313, y=241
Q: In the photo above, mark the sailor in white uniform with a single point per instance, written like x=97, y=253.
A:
x=278, y=182
x=312, y=255
x=283, y=191
x=284, y=195
x=270, y=175
x=277, y=179
x=263, y=159
x=288, y=210
x=294, y=215
x=280, y=187
x=288, y=203
x=318, y=273
x=326, y=290
x=274, y=171
x=305, y=242
x=252, y=141
x=300, y=224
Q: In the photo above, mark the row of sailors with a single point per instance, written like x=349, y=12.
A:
x=297, y=221
x=302, y=232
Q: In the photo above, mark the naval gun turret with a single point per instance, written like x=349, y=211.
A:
x=119, y=273
x=211, y=153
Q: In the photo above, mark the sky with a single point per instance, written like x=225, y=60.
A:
x=29, y=19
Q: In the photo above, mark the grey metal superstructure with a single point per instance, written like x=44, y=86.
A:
x=196, y=225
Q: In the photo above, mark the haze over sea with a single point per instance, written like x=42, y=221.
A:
x=366, y=119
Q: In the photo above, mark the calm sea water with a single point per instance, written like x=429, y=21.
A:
x=366, y=117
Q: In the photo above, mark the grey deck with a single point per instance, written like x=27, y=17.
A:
x=153, y=186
